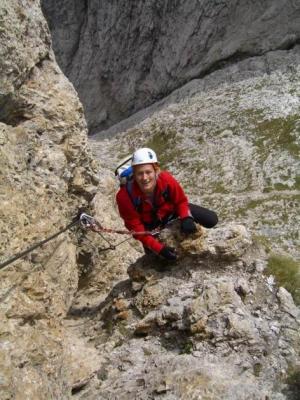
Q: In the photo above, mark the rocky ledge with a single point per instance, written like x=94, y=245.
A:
x=211, y=325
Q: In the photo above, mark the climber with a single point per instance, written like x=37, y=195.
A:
x=152, y=198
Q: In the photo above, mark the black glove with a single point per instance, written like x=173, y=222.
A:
x=188, y=225
x=169, y=253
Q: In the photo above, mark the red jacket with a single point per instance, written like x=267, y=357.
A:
x=135, y=220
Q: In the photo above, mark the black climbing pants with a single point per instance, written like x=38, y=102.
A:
x=203, y=216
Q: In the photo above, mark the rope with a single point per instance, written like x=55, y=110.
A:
x=36, y=245
x=124, y=232
x=86, y=222
x=111, y=246
x=114, y=246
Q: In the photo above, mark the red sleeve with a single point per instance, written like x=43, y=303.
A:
x=133, y=221
x=177, y=196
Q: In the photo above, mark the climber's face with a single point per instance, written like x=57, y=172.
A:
x=145, y=176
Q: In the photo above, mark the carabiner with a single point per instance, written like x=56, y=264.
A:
x=86, y=221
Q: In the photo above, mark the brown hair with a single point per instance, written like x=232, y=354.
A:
x=156, y=167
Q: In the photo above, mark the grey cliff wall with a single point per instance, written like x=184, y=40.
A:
x=122, y=56
x=46, y=172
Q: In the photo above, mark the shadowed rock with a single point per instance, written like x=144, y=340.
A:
x=124, y=56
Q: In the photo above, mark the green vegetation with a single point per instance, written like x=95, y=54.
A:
x=280, y=186
x=287, y=273
x=102, y=374
x=293, y=378
x=162, y=141
x=263, y=241
x=219, y=187
x=187, y=347
x=123, y=329
x=293, y=383
x=108, y=326
x=281, y=204
x=251, y=205
x=277, y=132
x=245, y=118
x=257, y=368
x=252, y=115
x=297, y=184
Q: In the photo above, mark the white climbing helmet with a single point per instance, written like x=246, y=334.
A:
x=143, y=156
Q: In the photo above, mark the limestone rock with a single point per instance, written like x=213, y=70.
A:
x=227, y=138
x=147, y=324
x=191, y=325
x=18, y=55
x=227, y=242
x=43, y=141
x=207, y=328
x=219, y=311
x=207, y=325
x=82, y=360
x=287, y=302
x=151, y=296
x=170, y=43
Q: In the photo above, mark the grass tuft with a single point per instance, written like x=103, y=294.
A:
x=286, y=270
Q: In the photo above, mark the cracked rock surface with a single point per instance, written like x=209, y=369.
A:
x=232, y=140
x=203, y=326
x=123, y=56
x=42, y=144
x=77, y=322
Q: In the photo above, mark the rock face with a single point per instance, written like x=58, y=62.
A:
x=42, y=145
x=124, y=56
x=210, y=325
x=202, y=327
x=232, y=140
